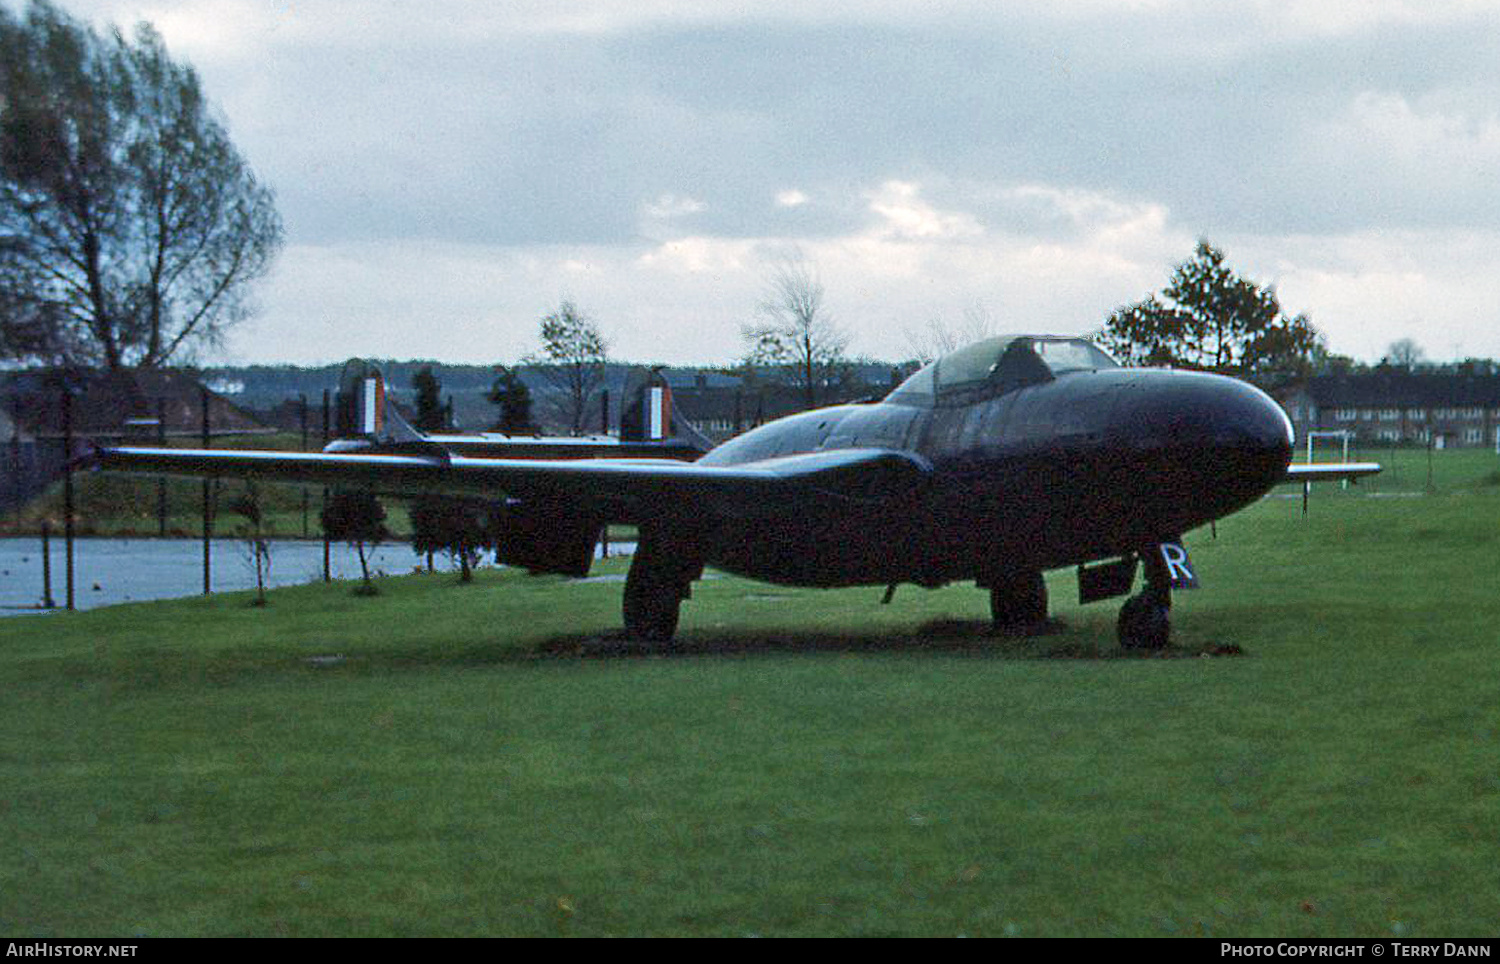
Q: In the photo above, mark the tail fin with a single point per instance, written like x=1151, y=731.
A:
x=647, y=416
x=650, y=416
x=363, y=417
x=360, y=407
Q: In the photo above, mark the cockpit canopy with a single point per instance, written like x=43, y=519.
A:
x=998, y=365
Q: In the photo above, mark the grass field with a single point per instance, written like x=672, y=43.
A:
x=494, y=759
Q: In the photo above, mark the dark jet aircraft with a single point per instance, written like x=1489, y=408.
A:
x=998, y=462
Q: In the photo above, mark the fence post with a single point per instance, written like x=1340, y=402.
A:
x=327, y=574
x=302, y=397
x=47, y=601
x=208, y=496
x=14, y=484
x=161, y=482
x=67, y=413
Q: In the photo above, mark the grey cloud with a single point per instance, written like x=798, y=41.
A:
x=560, y=138
x=420, y=159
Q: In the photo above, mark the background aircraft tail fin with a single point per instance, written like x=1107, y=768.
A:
x=365, y=420
x=363, y=415
x=649, y=414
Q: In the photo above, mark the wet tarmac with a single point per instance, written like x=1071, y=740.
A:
x=111, y=571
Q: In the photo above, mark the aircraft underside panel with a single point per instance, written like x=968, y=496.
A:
x=546, y=537
x=1027, y=513
x=853, y=548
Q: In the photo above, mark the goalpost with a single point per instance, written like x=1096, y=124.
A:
x=1345, y=437
x=1343, y=434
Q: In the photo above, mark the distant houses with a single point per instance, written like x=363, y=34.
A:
x=722, y=405
x=118, y=405
x=137, y=406
x=1395, y=406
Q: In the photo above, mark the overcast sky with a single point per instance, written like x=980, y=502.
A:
x=450, y=171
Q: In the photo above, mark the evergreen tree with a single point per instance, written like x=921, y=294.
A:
x=514, y=400
x=431, y=415
x=1210, y=319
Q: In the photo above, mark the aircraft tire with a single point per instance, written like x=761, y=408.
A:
x=651, y=605
x=1019, y=604
x=1144, y=624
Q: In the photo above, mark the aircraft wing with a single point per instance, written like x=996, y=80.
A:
x=623, y=489
x=1329, y=471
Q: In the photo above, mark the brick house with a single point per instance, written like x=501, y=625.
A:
x=1391, y=405
x=106, y=407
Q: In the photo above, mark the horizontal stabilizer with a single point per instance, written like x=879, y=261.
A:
x=1329, y=471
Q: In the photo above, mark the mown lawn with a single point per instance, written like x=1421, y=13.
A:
x=1318, y=754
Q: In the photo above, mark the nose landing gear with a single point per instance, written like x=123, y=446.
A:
x=1145, y=623
x=1145, y=619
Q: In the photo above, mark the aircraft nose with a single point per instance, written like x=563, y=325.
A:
x=1198, y=410
x=1216, y=434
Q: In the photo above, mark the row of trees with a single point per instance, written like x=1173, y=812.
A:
x=1406, y=355
x=1211, y=319
x=1207, y=318
x=793, y=341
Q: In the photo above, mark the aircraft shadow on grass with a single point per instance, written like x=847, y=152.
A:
x=949, y=637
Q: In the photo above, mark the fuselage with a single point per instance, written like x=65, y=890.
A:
x=1036, y=463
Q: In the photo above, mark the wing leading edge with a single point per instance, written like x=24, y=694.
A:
x=620, y=488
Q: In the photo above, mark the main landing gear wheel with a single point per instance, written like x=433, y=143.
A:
x=1018, y=603
x=660, y=578
x=1144, y=623
x=651, y=605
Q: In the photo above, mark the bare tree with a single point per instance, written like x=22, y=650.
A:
x=573, y=359
x=938, y=338
x=1405, y=353
x=257, y=535
x=130, y=227
x=795, y=333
